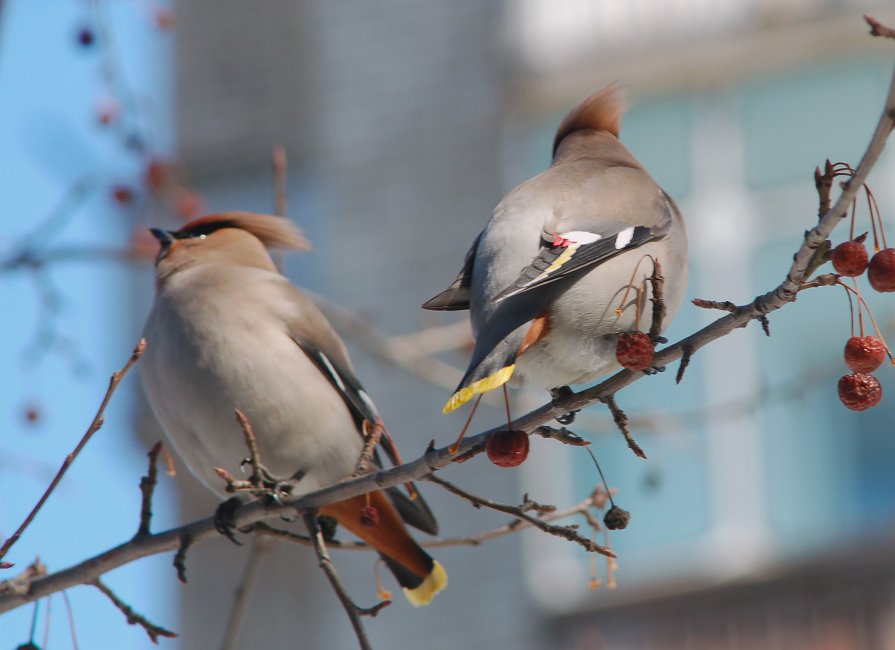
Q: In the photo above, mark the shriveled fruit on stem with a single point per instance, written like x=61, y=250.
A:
x=864, y=353
x=881, y=271
x=369, y=516
x=634, y=350
x=616, y=518
x=860, y=391
x=850, y=258
x=507, y=448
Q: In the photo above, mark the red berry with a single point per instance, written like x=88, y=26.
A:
x=860, y=391
x=864, y=353
x=164, y=19
x=123, y=194
x=634, y=350
x=881, y=271
x=507, y=448
x=188, y=204
x=369, y=516
x=32, y=414
x=158, y=174
x=107, y=110
x=850, y=258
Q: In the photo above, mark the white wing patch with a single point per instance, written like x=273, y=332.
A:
x=368, y=402
x=332, y=372
x=624, y=238
x=581, y=236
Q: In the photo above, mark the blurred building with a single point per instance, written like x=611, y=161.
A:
x=764, y=514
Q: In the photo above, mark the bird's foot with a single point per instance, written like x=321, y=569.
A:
x=224, y=518
x=558, y=394
x=654, y=370
x=328, y=526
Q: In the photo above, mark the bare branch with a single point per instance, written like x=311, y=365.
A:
x=133, y=618
x=566, y=532
x=147, y=487
x=878, y=29
x=621, y=421
x=243, y=591
x=326, y=564
x=93, y=428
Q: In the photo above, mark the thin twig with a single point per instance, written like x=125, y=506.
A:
x=326, y=564
x=279, y=162
x=71, y=621
x=621, y=421
x=185, y=541
x=93, y=428
x=20, y=584
x=133, y=618
x=372, y=435
x=566, y=532
x=657, y=280
x=878, y=29
x=563, y=435
x=251, y=441
x=257, y=549
x=147, y=487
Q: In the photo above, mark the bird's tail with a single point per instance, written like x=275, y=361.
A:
x=419, y=575
x=491, y=371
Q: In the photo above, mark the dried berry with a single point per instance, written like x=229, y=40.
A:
x=860, y=391
x=369, y=516
x=634, y=350
x=864, y=353
x=507, y=448
x=85, y=37
x=123, y=194
x=881, y=271
x=850, y=258
x=616, y=518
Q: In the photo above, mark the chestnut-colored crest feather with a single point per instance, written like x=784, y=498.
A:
x=273, y=231
x=601, y=111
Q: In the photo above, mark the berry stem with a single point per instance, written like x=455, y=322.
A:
x=879, y=334
x=873, y=206
x=851, y=311
x=506, y=402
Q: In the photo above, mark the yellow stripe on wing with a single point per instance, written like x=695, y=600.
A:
x=490, y=382
x=558, y=263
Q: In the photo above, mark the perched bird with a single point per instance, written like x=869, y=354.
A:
x=561, y=267
x=228, y=331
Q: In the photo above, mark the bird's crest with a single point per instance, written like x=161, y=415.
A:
x=601, y=111
x=273, y=231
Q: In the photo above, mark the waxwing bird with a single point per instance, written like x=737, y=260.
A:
x=561, y=267
x=228, y=331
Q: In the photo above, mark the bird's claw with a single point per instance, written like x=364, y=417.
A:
x=558, y=394
x=224, y=516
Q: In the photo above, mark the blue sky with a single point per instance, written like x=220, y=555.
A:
x=50, y=87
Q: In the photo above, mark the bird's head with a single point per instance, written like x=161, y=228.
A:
x=599, y=112
x=237, y=238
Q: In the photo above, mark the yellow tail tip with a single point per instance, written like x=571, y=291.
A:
x=484, y=385
x=434, y=582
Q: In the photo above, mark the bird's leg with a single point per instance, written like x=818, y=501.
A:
x=454, y=448
x=558, y=394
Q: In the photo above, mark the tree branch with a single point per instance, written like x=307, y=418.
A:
x=93, y=428
x=436, y=458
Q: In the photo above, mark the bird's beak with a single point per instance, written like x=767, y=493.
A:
x=164, y=237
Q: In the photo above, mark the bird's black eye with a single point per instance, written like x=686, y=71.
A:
x=202, y=230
